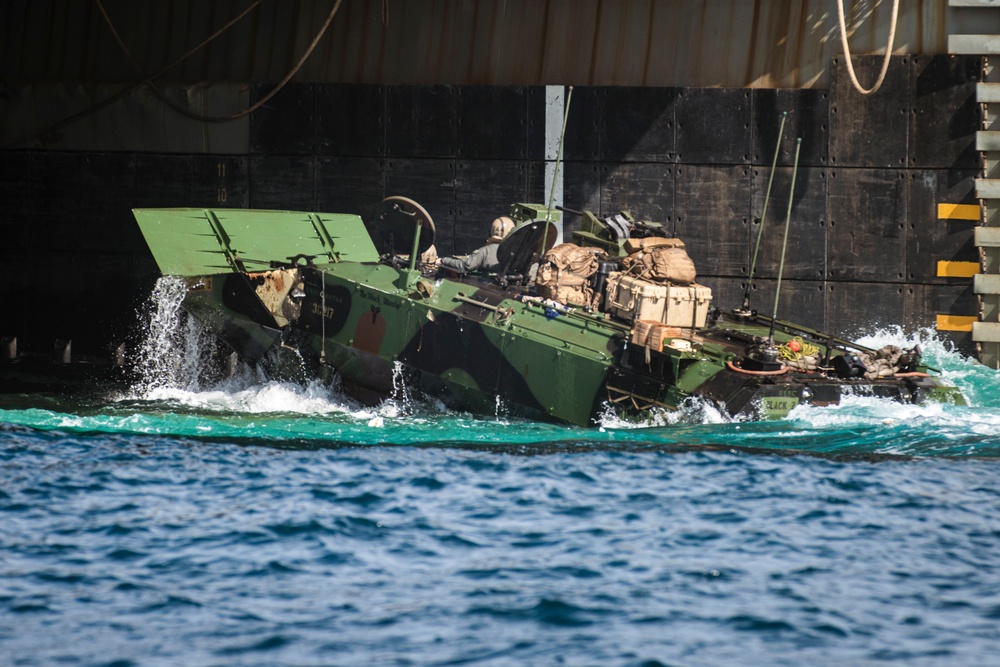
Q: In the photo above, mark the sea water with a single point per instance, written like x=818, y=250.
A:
x=239, y=521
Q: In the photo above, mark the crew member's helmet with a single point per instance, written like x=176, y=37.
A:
x=500, y=228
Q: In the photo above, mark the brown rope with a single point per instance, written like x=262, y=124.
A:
x=847, y=48
x=222, y=119
x=148, y=81
x=188, y=54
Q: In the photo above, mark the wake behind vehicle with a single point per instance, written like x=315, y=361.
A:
x=614, y=320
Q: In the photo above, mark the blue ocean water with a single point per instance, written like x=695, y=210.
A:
x=247, y=522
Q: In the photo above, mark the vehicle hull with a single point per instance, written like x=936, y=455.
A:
x=318, y=298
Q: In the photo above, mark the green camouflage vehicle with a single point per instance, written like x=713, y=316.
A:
x=532, y=338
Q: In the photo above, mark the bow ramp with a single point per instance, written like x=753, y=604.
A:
x=196, y=242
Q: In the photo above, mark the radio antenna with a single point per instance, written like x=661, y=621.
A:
x=784, y=244
x=760, y=232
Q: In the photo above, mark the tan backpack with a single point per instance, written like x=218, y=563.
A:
x=571, y=257
x=662, y=264
x=635, y=245
x=564, y=274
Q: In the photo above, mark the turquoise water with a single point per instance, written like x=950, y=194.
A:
x=248, y=408
x=256, y=523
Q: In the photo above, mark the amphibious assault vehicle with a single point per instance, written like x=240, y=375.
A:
x=613, y=321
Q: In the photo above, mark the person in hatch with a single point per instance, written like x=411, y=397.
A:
x=483, y=259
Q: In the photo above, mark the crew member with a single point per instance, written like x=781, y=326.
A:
x=484, y=259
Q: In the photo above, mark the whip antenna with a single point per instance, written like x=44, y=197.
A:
x=784, y=244
x=760, y=232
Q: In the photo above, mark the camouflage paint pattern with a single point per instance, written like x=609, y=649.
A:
x=312, y=285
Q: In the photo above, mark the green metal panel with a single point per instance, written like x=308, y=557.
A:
x=193, y=242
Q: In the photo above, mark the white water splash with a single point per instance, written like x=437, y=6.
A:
x=861, y=410
x=500, y=408
x=694, y=410
x=171, y=351
x=262, y=398
x=178, y=362
x=979, y=384
x=935, y=350
x=400, y=387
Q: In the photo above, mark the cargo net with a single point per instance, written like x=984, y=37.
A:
x=887, y=361
x=800, y=355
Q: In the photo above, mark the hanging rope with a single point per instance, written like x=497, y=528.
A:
x=128, y=91
x=221, y=119
x=847, y=49
x=184, y=57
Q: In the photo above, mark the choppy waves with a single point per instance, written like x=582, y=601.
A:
x=246, y=408
x=139, y=550
x=229, y=521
